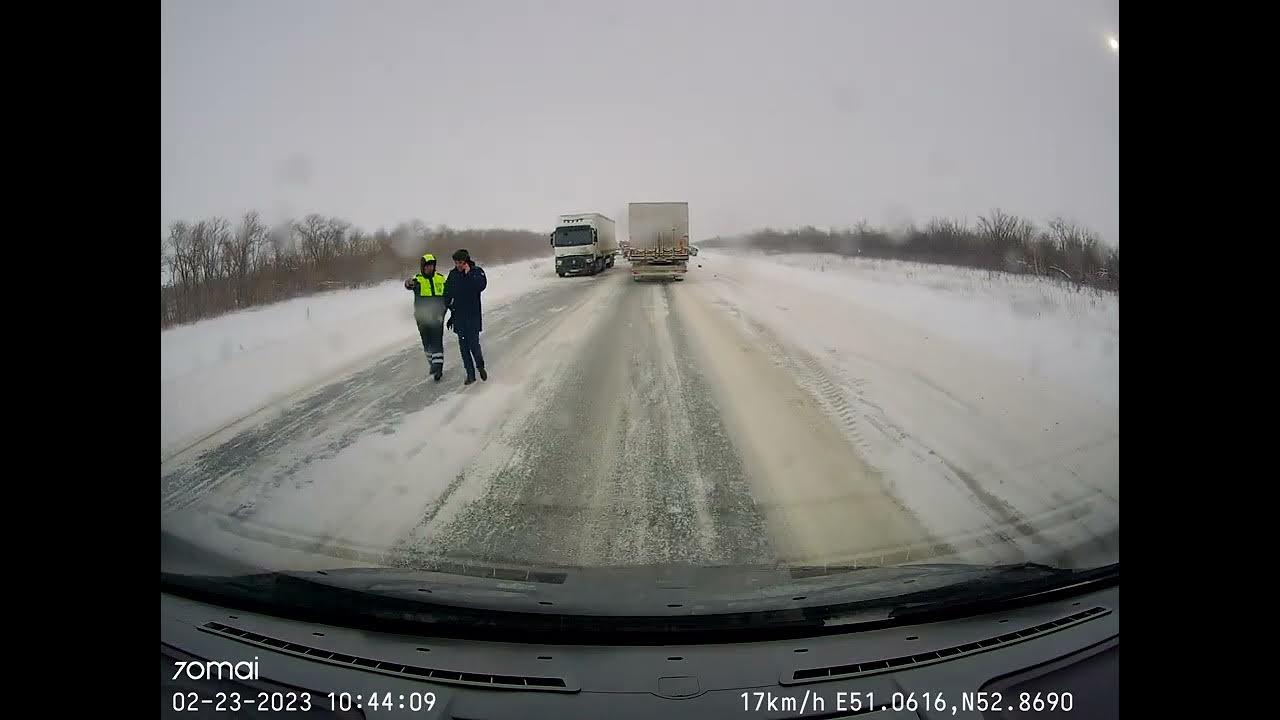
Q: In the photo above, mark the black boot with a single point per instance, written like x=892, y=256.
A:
x=483, y=375
x=470, y=379
x=436, y=372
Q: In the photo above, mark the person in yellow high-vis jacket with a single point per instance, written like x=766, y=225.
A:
x=428, y=311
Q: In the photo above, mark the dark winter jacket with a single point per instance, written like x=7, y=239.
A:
x=462, y=293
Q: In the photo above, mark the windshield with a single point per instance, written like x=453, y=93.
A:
x=893, y=340
x=566, y=236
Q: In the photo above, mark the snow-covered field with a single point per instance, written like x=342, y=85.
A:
x=1041, y=325
x=221, y=370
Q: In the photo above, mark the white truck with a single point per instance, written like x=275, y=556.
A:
x=658, y=240
x=584, y=244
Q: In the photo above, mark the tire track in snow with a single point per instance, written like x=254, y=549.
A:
x=612, y=469
x=822, y=502
x=740, y=528
x=853, y=414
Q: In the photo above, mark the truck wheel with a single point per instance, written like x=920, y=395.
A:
x=560, y=273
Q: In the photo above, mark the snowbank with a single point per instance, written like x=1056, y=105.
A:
x=221, y=370
x=1043, y=326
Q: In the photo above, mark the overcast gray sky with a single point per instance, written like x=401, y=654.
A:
x=505, y=114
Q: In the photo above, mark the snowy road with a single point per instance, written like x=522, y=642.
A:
x=634, y=423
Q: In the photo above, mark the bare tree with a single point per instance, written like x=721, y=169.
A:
x=999, y=241
x=1079, y=249
x=1037, y=253
x=241, y=252
x=180, y=259
x=312, y=235
x=1004, y=237
x=181, y=272
x=322, y=240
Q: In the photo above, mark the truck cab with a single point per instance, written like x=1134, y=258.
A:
x=584, y=244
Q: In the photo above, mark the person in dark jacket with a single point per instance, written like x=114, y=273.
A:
x=462, y=292
x=429, y=303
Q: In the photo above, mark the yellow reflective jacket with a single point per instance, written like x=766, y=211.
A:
x=430, y=287
x=429, y=302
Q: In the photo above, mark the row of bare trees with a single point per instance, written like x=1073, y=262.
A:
x=997, y=241
x=213, y=266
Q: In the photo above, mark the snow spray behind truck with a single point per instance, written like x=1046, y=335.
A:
x=584, y=243
x=658, y=240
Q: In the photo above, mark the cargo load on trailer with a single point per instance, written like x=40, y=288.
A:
x=658, y=240
x=584, y=244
